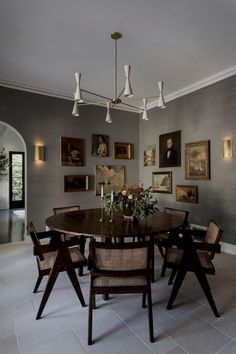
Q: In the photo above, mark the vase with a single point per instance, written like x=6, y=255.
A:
x=128, y=212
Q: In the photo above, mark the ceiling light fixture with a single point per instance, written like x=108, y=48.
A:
x=116, y=100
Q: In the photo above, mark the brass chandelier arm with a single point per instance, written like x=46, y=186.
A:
x=110, y=99
x=116, y=100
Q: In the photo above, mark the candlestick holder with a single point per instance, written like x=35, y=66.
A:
x=102, y=211
x=111, y=214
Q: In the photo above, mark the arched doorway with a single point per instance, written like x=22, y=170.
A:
x=12, y=185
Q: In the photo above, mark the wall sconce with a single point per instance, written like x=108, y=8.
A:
x=227, y=148
x=39, y=153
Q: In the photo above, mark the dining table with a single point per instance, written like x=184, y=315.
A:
x=92, y=223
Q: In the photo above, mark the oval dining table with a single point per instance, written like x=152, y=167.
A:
x=88, y=223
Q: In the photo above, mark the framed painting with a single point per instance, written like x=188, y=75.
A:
x=100, y=145
x=188, y=194
x=197, y=160
x=162, y=182
x=149, y=155
x=111, y=177
x=122, y=151
x=72, y=152
x=76, y=183
x=170, y=149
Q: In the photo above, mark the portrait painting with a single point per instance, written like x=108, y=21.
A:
x=197, y=161
x=188, y=194
x=72, y=152
x=150, y=155
x=162, y=182
x=170, y=149
x=111, y=177
x=100, y=145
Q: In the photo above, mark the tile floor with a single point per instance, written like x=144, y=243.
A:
x=120, y=324
x=12, y=225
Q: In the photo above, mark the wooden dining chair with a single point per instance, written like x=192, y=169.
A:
x=167, y=239
x=81, y=239
x=49, y=256
x=194, y=257
x=119, y=268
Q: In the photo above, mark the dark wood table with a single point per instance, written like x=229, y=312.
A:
x=86, y=223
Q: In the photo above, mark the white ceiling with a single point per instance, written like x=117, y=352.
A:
x=43, y=42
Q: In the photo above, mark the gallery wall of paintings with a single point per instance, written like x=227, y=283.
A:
x=111, y=176
x=196, y=163
x=203, y=183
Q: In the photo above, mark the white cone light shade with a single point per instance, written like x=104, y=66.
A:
x=145, y=116
x=108, y=116
x=78, y=95
x=161, y=102
x=75, y=111
x=128, y=89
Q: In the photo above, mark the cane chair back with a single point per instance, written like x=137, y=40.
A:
x=120, y=268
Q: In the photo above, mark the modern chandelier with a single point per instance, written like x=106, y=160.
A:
x=115, y=101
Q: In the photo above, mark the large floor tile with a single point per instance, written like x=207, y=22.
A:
x=8, y=345
x=65, y=343
x=230, y=348
x=196, y=336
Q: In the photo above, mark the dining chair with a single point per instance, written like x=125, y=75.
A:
x=81, y=239
x=119, y=268
x=50, y=256
x=165, y=240
x=168, y=239
x=194, y=257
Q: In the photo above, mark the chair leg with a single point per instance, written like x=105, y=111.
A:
x=172, y=276
x=177, y=284
x=163, y=269
x=82, y=250
x=207, y=291
x=40, y=277
x=90, y=318
x=150, y=317
x=144, y=300
x=51, y=281
x=153, y=264
x=161, y=250
x=71, y=273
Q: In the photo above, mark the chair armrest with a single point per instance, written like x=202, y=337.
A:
x=40, y=250
x=208, y=247
x=48, y=234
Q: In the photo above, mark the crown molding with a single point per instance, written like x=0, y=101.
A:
x=57, y=94
x=196, y=86
x=186, y=90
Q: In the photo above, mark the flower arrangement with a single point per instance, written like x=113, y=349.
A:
x=132, y=200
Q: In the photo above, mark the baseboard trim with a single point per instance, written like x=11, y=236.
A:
x=228, y=248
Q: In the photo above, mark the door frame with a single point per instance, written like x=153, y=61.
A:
x=21, y=203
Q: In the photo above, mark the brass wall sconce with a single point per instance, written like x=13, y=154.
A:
x=39, y=153
x=227, y=149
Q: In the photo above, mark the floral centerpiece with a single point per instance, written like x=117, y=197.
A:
x=132, y=200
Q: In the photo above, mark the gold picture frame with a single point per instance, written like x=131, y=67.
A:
x=122, y=151
x=197, y=160
x=72, y=152
x=186, y=194
x=76, y=183
x=162, y=182
x=110, y=177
